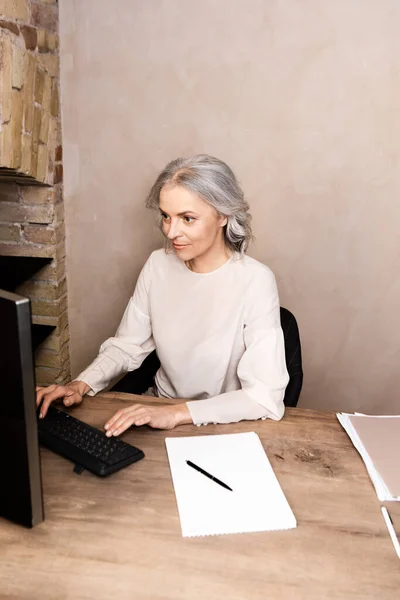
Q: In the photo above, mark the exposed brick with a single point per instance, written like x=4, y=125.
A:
x=44, y=127
x=60, y=336
x=41, y=320
x=9, y=233
x=49, y=309
x=50, y=63
x=35, y=194
x=59, y=134
x=30, y=37
x=39, y=83
x=54, y=128
x=56, y=340
x=43, y=234
x=48, y=273
x=45, y=357
x=42, y=161
x=50, y=168
x=51, y=272
x=63, y=321
x=6, y=149
x=47, y=88
x=37, y=120
x=34, y=161
x=46, y=376
x=47, y=41
x=14, y=9
x=16, y=213
x=58, y=173
x=13, y=249
x=64, y=377
x=26, y=153
x=59, y=214
x=45, y=16
x=13, y=27
x=39, y=234
x=18, y=67
x=16, y=121
x=28, y=91
x=53, y=42
x=9, y=192
x=6, y=77
x=43, y=291
x=41, y=39
x=58, y=156
x=60, y=250
x=54, y=106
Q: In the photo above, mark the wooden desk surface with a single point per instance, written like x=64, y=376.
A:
x=120, y=537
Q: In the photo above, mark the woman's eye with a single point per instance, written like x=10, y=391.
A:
x=164, y=216
x=188, y=219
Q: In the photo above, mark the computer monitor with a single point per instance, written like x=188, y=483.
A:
x=21, y=498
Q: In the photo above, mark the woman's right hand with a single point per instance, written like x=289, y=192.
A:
x=72, y=393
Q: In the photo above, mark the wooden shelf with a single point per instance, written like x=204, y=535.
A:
x=15, y=270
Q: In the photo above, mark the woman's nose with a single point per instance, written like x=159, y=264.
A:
x=173, y=230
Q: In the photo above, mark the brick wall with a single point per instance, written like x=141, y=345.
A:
x=29, y=87
x=31, y=190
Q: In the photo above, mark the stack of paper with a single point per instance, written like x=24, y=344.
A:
x=377, y=439
x=254, y=503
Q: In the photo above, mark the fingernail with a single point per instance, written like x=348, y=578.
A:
x=106, y=426
x=67, y=402
x=109, y=434
x=116, y=432
x=41, y=416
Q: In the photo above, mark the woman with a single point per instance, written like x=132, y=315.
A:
x=211, y=312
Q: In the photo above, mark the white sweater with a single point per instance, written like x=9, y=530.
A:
x=217, y=335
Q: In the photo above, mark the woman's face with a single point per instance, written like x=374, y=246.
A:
x=193, y=226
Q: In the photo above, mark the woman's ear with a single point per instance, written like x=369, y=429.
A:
x=223, y=221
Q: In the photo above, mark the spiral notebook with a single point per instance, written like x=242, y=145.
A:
x=256, y=502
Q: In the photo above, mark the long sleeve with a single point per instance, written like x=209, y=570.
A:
x=261, y=370
x=133, y=340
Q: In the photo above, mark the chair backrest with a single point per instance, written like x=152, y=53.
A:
x=293, y=357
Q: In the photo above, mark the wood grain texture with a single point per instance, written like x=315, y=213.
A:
x=120, y=536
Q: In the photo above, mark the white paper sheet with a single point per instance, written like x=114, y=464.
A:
x=256, y=503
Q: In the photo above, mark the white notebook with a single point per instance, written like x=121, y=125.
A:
x=256, y=503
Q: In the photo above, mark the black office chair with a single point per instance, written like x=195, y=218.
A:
x=137, y=382
x=293, y=357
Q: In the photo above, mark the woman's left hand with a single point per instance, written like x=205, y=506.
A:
x=159, y=417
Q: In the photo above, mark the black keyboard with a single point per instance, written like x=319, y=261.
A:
x=85, y=445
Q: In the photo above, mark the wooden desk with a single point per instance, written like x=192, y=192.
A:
x=120, y=537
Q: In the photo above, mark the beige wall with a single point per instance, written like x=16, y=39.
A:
x=302, y=100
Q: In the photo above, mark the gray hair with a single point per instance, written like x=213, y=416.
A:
x=212, y=180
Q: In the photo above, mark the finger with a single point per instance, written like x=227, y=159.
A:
x=59, y=392
x=143, y=421
x=119, y=422
x=129, y=421
x=72, y=398
x=113, y=419
x=42, y=391
x=119, y=414
x=134, y=412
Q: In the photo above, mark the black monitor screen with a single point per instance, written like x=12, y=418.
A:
x=20, y=477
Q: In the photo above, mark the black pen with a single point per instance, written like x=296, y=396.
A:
x=200, y=470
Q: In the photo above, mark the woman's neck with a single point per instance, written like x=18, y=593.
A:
x=213, y=259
